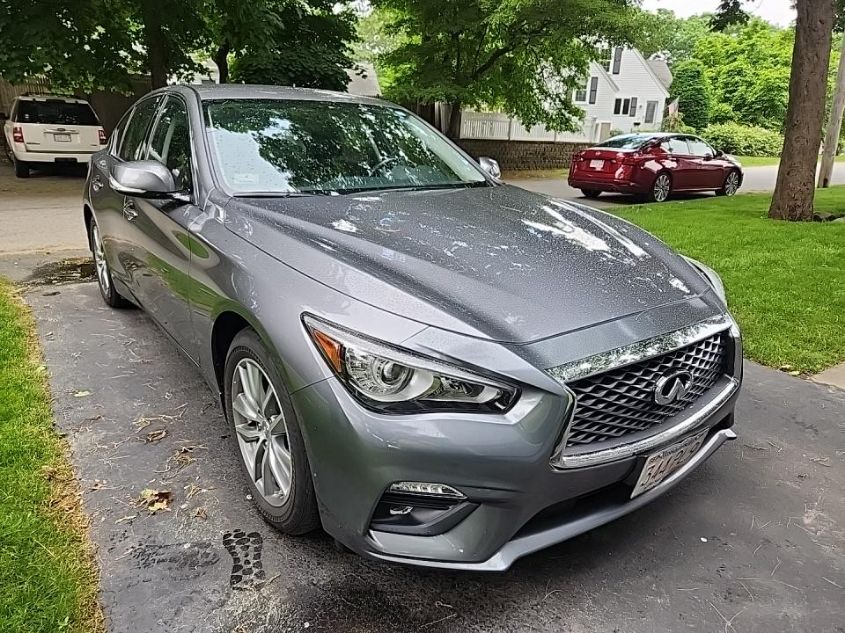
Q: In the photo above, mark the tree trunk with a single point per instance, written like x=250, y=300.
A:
x=456, y=109
x=834, y=124
x=221, y=58
x=155, y=43
x=794, y=191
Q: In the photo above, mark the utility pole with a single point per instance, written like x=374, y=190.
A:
x=834, y=124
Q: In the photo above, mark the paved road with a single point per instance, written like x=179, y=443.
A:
x=754, y=541
x=756, y=179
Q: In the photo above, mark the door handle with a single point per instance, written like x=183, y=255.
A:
x=129, y=211
x=96, y=183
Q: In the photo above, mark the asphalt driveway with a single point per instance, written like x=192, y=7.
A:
x=753, y=541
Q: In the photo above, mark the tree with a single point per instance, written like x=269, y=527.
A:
x=669, y=37
x=834, y=124
x=691, y=88
x=795, y=187
x=524, y=57
x=309, y=48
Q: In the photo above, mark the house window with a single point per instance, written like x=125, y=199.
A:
x=617, y=60
x=606, y=58
x=650, y=111
x=622, y=106
x=633, y=106
x=581, y=93
x=594, y=89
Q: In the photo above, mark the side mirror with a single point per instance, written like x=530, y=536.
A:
x=490, y=166
x=708, y=156
x=143, y=179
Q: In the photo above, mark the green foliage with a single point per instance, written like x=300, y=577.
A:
x=675, y=123
x=789, y=315
x=691, y=88
x=311, y=49
x=721, y=112
x=521, y=56
x=669, y=37
x=744, y=140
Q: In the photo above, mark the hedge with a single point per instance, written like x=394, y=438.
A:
x=744, y=140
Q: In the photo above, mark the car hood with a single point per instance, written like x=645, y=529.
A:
x=514, y=265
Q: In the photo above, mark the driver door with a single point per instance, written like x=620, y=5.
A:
x=163, y=282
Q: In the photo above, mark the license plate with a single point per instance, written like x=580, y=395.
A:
x=61, y=138
x=660, y=465
x=596, y=164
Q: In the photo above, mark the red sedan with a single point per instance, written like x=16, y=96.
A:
x=654, y=165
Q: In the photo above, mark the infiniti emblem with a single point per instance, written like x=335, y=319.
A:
x=672, y=387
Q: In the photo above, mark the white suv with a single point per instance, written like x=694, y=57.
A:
x=48, y=129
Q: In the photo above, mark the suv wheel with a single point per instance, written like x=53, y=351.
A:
x=111, y=296
x=267, y=437
x=21, y=168
x=662, y=188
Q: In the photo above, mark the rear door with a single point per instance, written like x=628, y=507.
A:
x=683, y=171
x=58, y=126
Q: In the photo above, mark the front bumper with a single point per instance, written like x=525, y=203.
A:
x=501, y=463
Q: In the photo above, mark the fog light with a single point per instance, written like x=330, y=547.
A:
x=421, y=488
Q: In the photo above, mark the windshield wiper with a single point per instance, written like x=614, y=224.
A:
x=448, y=185
x=282, y=194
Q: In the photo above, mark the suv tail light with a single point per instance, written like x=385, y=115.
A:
x=103, y=139
x=17, y=134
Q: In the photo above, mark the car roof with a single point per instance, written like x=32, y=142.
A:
x=212, y=92
x=63, y=98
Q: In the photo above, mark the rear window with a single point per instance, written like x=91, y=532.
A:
x=56, y=112
x=629, y=141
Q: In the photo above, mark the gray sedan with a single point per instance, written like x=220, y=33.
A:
x=437, y=368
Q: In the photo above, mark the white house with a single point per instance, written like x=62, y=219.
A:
x=623, y=91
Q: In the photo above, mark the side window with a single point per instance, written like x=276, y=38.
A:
x=678, y=146
x=699, y=148
x=132, y=146
x=170, y=143
x=117, y=134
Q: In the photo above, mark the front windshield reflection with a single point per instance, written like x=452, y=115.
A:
x=326, y=147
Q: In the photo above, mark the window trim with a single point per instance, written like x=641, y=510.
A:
x=159, y=109
x=131, y=114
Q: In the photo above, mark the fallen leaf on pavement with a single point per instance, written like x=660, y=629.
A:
x=82, y=394
x=155, y=436
x=126, y=518
x=200, y=513
x=156, y=500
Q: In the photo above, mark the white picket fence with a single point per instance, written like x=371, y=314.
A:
x=501, y=127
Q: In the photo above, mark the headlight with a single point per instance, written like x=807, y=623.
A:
x=710, y=276
x=394, y=380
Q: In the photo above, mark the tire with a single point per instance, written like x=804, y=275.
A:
x=104, y=279
x=292, y=510
x=733, y=181
x=21, y=168
x=591, y=193
x=661, y=188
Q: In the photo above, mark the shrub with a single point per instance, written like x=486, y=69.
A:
x=721, y=112
x=744, y=140
x=691, y=88
x=675, y=123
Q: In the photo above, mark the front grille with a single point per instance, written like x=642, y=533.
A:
x=621, y=401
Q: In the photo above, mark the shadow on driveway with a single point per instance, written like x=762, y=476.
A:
x=752, y=541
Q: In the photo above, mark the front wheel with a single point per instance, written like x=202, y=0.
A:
x=661, y=189
x=731, y=185
x=111, y=296
x=267, y=436
x=591, y=193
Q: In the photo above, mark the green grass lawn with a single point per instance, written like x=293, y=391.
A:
x=785, y=280
x=760, y=161
x=48, y=582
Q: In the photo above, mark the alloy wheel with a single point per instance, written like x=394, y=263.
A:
x=662, y=186
x=731, y=183
x=261, y=432
x=100, y=261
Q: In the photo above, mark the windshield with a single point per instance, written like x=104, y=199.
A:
x=56, y=112
x=628, y=141
x=284, y=147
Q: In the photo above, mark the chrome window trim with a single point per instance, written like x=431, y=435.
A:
x=628, y=355
x=641, y=350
